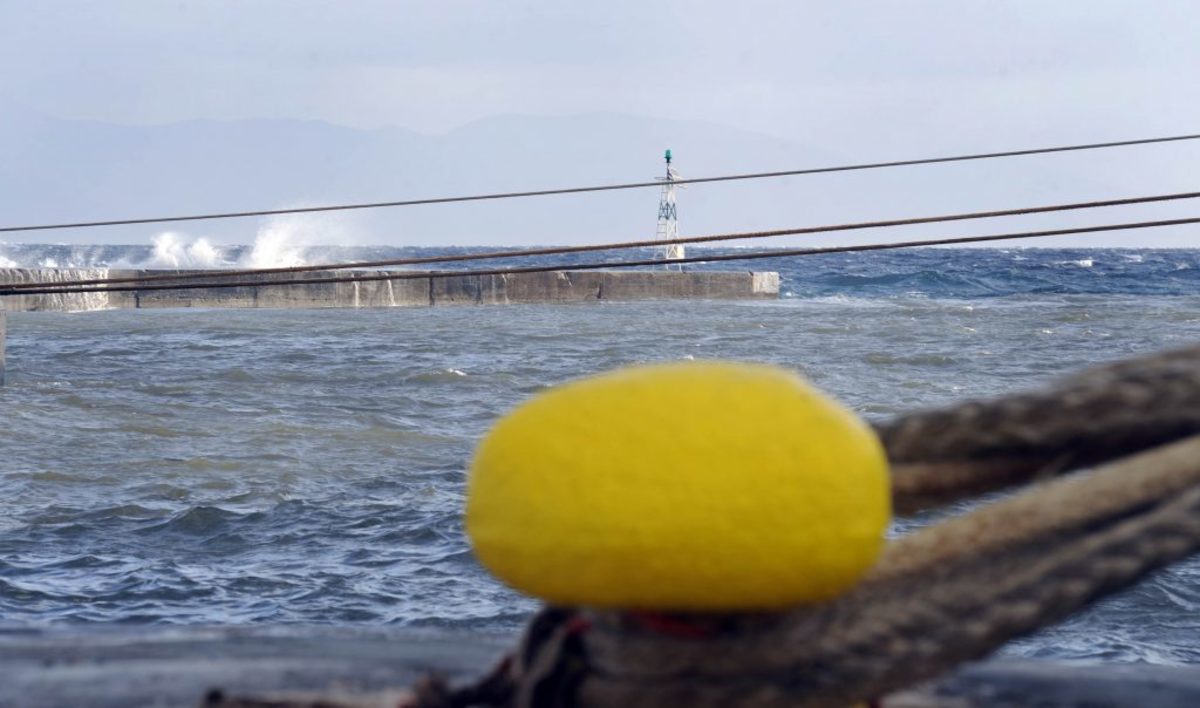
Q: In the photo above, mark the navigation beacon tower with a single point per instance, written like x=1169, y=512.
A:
x=668, y=218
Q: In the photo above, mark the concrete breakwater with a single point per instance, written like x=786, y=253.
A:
x=423, y=290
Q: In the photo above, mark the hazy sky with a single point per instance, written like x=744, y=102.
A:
x=862, y=79
x=937, y=70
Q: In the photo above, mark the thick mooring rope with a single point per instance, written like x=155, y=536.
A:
x=957, y=590
x=967, y=449
x=948, y=593
x=944, y=595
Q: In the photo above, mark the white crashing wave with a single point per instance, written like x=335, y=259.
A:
x=174, y=250
x=292, y=240
x=61, y=302
x=281, y=241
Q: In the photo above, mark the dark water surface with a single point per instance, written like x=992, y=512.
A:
x=229, y=466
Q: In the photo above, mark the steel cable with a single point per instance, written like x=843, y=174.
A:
x=598, y=188
x=560, y=250
x=711, y=258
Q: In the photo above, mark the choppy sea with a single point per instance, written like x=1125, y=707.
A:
x=240, y=466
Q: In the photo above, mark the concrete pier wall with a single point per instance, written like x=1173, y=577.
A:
x=420, y=290
x=66, y=302
x=107, y=666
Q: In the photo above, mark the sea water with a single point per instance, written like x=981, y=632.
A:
x=307, y=466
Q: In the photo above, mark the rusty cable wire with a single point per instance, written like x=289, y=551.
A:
x=560, y=250
x=722, y=257
x=598, y=188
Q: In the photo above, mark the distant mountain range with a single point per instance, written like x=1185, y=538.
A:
x=65, y=170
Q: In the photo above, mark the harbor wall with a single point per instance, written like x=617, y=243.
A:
x=107, y=666
x=422, y=289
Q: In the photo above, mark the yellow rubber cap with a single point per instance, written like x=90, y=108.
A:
x=687, y=486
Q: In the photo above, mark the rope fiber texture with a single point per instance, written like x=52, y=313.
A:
x=950, y=592
x=944, y=455
x=946, y=594
x=957, y=590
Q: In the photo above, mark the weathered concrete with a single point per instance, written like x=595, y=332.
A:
x=64, y=302
x=99, y=667
x=114, y=666
x=1009, y=684
x=419, y=290
x=371, y=293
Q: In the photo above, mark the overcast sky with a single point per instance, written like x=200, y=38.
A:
x=860, y=79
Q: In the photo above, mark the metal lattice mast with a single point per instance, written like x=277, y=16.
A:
x=668, y=216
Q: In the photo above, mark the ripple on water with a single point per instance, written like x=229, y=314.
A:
x=194, y=521
x=293, y=467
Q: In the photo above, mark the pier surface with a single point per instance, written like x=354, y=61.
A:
x=110, y=667
x=101, y=667
x=418, y=289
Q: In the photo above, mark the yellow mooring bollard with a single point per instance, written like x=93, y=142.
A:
x=691, y=487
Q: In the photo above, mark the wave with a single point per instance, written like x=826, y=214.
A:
x=177, y=251
x=280, y=241
x=60, y=302
x=930, y=273
x=435, y=377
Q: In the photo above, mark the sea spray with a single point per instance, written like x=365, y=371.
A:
x=62, y=255
x=174, y=250
x=292, y=239
x=56, y=302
